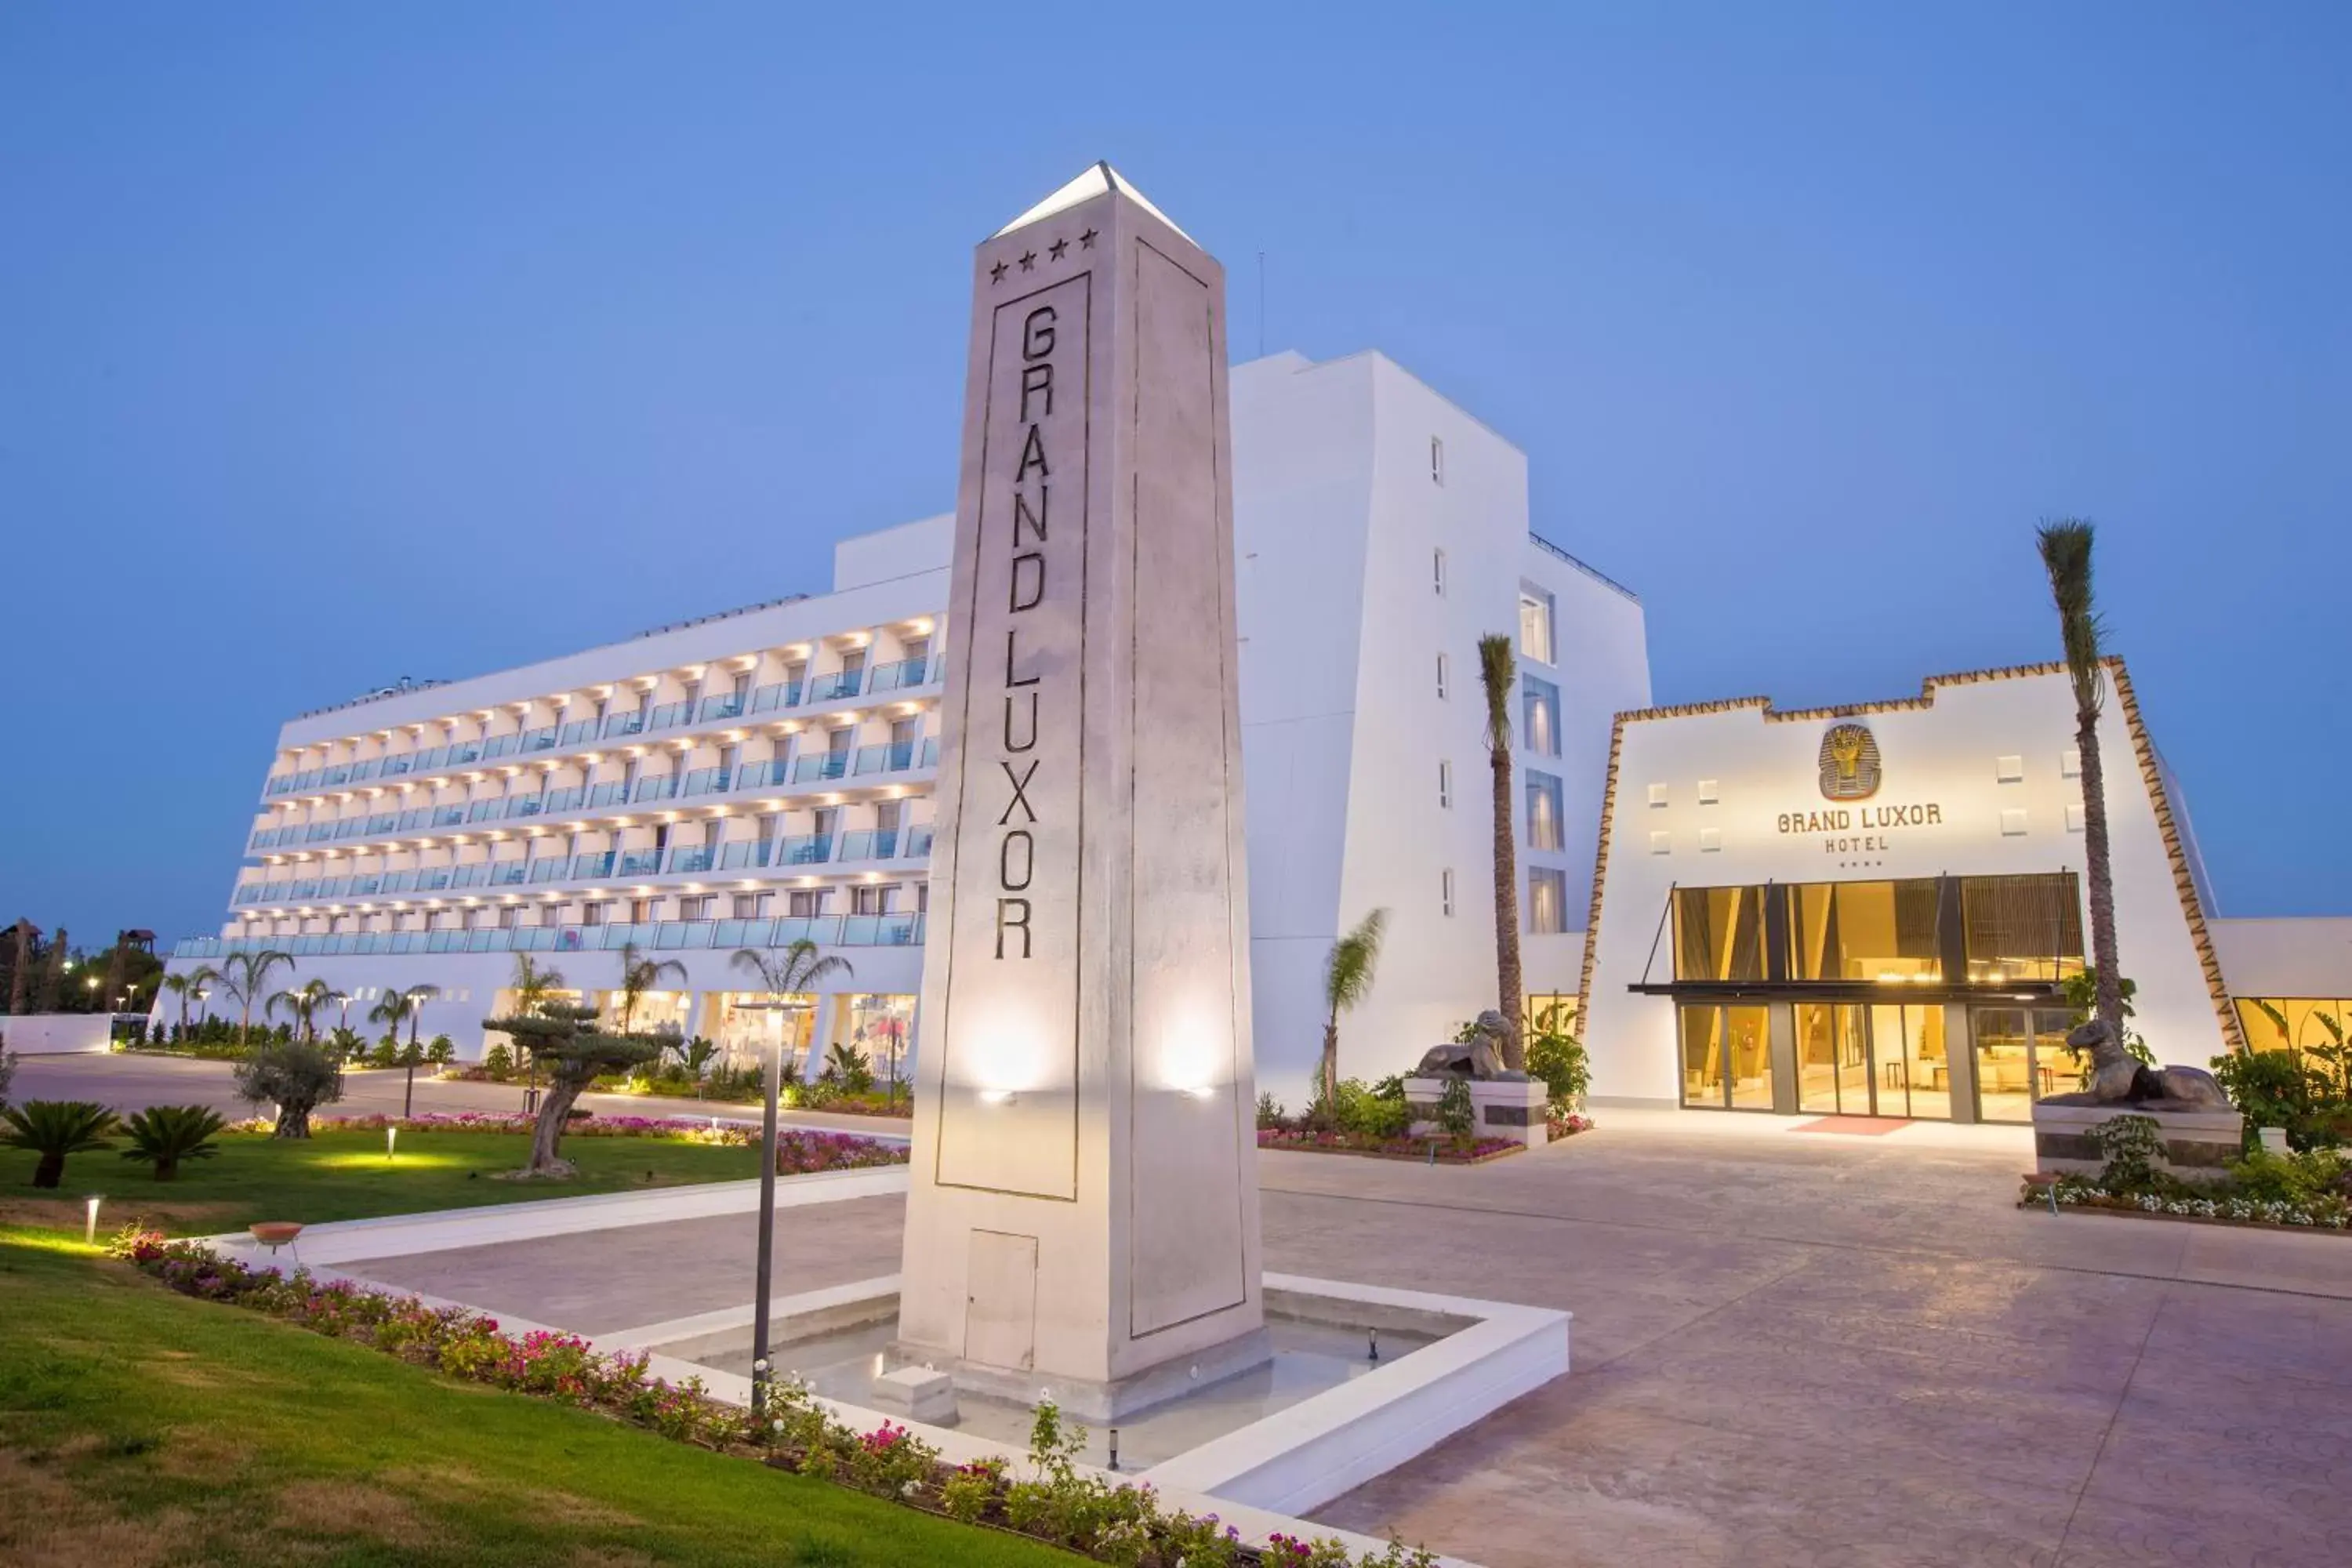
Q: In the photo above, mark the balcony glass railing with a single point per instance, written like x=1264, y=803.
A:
x=869, y=844
x=706, y=780
x=551, y=871
x=623, y=724
x=805, y=850
x=586, y=866
x=782, y=694
x=614, y=793
x=669, y=714
x=523, y=806
x=744, y=854
x=496, y=746
x=486, y=810
x=899, y=675
x=919, y=841
x=761, y=775
x=825, y=931
x=362, y=772
x=433, y=880
x=820, y=765
x=465, y=752
x=685, y=861
x=579, y=732
x=473, y=874
x=394, y=767
x=639, y=863
x=661, y=787
x=508, y=873
x=840, y=683
x=888, y=757
x=726, y=705
x=542, y=739
x=570, y=797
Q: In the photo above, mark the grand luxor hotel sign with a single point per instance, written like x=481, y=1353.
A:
x=1854, y=822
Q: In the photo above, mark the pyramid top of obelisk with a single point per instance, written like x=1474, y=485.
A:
x=1099, y=179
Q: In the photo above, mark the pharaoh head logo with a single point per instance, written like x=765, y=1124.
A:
x=1849, y=763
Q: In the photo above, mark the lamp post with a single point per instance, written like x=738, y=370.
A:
x=767, y=1248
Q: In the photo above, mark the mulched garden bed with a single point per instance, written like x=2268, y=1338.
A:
x=1418, y=1150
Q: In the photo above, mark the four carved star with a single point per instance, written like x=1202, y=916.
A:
x=1028, y=259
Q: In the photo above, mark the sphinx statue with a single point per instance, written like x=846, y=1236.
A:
x=1480, y=1058
x=2117, y=1078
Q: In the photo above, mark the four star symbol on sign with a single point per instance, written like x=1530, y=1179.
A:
x=1054, y=252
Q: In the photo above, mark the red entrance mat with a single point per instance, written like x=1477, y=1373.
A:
x=1853, y=1126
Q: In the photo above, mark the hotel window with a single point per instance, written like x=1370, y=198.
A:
x=640, y=911
x=2316, y=1027
x=592, y=914
x=1436, y=461
x=1437, y=571
x=1444, y=669
x=871, y=900
x=1539, y=716
x=1445, y=890
x=1547, y=900
x=747, y=906
x=2022, y=928
x=694, y=908
x=1543, y=811
x=807, y=904
x=509, y=917
x=1445, y=784
x=1535, y=624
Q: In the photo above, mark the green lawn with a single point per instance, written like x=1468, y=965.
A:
x=145, y=1429
x=344, y=1175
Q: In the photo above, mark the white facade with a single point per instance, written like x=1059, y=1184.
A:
x=1378, y=529
x=1967, y=796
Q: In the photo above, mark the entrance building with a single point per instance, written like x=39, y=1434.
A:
x=1875, y=910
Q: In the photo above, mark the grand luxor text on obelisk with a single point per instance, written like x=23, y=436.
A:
x=1083, y=1212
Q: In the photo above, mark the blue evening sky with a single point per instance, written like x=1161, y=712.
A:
x=340, y=342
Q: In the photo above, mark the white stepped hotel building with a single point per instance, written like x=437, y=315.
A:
x=766, y=775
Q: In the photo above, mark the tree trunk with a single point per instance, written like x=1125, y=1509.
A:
x=1331, y=1062
x=50, y=1172
x=167, y=1169
x=546, y=1134
x=293, y=1122
x=2101, y=872
x=1507, y=917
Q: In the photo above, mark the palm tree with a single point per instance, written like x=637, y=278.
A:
x=1347, y=981
x=793, y=971
x=2066, y=556
x=640, y=974
x=246, y=976
x=303, y=1002
x=1498, y=673
x=395, y=1006
x=192, y=983
x=532, y=986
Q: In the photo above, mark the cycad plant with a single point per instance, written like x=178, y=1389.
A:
x=245, y=977
x=167, y=1134
x=1498, y=673
x=54, y=1129
x=1347, y=981
x=2066, y=556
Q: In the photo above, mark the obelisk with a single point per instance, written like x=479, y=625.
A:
x=1083, y=1210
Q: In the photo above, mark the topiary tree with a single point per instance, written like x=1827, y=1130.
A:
x=167, y=1134
x=562, y=1037
x=54, y=1129
x=298, y=1075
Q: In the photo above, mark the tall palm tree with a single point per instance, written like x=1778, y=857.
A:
x=791, y=972
x=640, y=974
x=190, y=984
x=245, y=977
x=533, y=988
x=1498, y=673
x=2066, y=556
x=390, y=1010
x=304, y=1001
x=1347, y=981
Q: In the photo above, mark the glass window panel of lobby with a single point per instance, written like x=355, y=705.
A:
x=1727, y=1057
x=1863, y=931
x=2022, y=928
x=1718, y=933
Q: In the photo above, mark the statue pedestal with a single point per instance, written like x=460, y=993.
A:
x=1499, y=1107
x=2198, y=1145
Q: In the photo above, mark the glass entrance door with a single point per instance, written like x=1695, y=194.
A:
x=1727, y=1058
x=1913, y=1074
x=1833, y=1075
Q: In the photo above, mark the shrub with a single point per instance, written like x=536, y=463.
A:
x=442, y=1051
x=2129, y=1144
x=2266, y=1177
x=347, y=1043
x=851, y=1068
x=167, y=1134
x=1460, y=1119
x=1368, y=1111
x=499, y=1062
x=297, y=1076
x=54, y=1129
x=2274, y=1089
x=1558, y=1057
x=1270, y=1117
x=386, y=1053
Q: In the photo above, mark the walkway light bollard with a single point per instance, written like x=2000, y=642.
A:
x=761, y=1367
x=89, y=1226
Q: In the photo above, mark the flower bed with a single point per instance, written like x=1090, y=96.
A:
x=1566, y=1124
x=799, y=1150
x=1049, y=1500
x=1447, y=1151
x=2323, y=1213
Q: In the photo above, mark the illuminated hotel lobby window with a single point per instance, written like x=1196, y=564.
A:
x=1863, y=931
x=1718, y=933
x=2307, y=1024
x=1727, y=1058
x=2022, y=928
x=1873, y=1059
x=2021, y=1057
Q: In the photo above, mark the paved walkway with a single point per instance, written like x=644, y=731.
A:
x=1790, y=1348
x=133, y=1081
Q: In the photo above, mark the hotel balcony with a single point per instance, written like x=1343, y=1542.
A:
x=680, y=717
x=878, y=760
x=825, y=931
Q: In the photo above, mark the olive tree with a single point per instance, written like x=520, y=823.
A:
x=562, y=1037
x=298, y=1075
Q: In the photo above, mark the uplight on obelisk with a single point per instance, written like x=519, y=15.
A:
x=1083, y=1212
